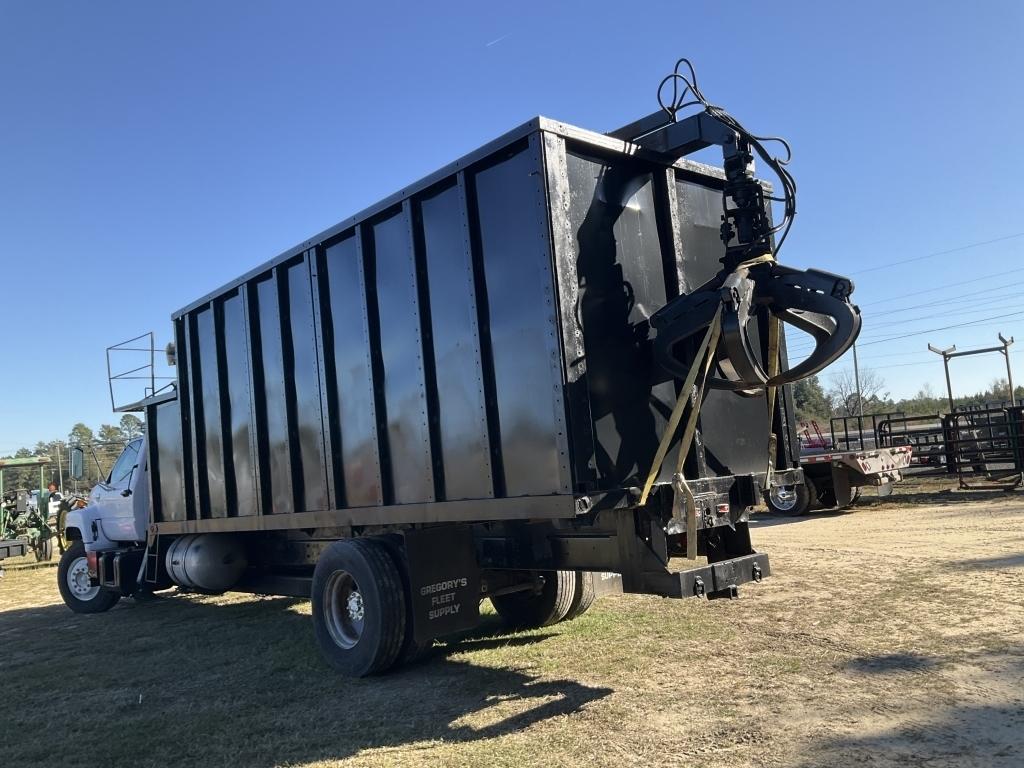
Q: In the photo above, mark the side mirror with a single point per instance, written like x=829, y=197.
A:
x=77, y=463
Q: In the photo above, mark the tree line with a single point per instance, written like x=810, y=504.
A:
x=814, y=401
x=101, y=448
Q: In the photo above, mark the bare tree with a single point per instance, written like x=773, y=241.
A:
x=843, y=392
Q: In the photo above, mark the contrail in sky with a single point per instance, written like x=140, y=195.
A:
x=498, y=40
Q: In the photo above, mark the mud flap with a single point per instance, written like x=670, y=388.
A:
x=444, y=580
x=841, y=484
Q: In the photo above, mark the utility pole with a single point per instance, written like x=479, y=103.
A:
x=860, y=400
x=856, y=378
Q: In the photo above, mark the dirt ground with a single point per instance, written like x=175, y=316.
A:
x=889, y=635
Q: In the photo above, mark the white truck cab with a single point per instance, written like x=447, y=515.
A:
x=118, y=508
x=115, y=519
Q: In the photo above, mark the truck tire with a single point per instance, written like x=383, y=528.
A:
x=583, y=597
x=62, y=522
x=413, y=650
x=792, y=500
x=359, y=607
x=73, y=583
x=855, y=494
x=528, y=609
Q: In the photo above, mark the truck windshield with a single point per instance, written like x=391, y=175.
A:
x=125, y=463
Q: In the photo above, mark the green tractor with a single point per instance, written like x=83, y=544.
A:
x=26, y=520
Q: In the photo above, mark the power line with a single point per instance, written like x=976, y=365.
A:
x=938, y=253
x=956, y=284
x=962, y=298
x=801, y=345
x=876, y=332
x=933, y=330
x=899, y=354
x=943, y=328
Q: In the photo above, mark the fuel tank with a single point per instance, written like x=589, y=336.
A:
x=208, y=561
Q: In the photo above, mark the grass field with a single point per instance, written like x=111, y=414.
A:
x=889, y=635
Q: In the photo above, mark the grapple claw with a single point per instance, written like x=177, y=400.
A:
x=815, y=302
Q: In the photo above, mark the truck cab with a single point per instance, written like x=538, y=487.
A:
x=107, y=535
x=118, y=508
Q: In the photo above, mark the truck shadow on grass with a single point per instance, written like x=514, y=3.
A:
x=953, y=732
x=963, y=730
x=982, y=735
x=200, y=681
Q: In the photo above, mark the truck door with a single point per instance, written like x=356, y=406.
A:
x=123, y=494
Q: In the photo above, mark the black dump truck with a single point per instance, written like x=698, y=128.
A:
x=461, y=393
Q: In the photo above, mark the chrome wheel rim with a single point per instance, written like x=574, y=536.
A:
x=78, y=580
x=344, y=609
x=783, y=497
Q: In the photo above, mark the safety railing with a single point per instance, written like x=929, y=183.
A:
x=135, y=361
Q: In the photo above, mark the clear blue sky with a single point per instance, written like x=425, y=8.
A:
x=151, y=152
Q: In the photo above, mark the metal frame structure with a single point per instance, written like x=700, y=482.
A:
x=950, y=352
x=144, y=372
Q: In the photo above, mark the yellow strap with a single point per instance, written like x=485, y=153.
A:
x=774, y=332
x=702, y=362
x=762, y=259
x=705, y=348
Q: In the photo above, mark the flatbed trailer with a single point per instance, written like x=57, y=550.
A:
x=834, y=479
x=459, y=393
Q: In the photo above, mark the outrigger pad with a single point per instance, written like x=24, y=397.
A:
x=812, y=301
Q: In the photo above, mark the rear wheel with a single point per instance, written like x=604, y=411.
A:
x=827, y=498
x=75, y=588
x=854, y=495
x=359, y=607
x=791, y=499
x=528, y=609
x=583, y=597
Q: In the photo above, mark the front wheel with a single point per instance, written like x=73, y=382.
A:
x=75, y=588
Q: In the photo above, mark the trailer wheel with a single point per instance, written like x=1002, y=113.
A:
x=791, y=499
x=526, y=610
x=583, y=597
x=73, y=582
x=44, y=548
x=358, y=607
